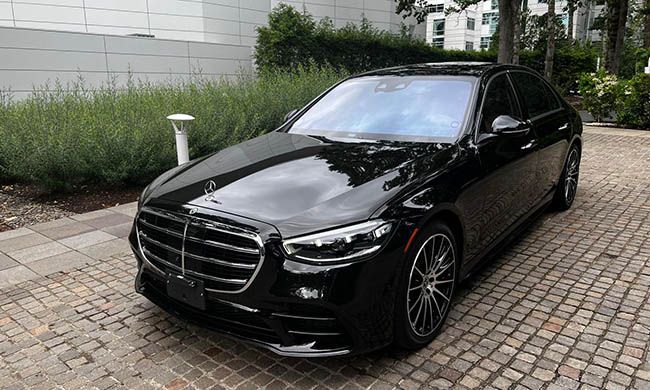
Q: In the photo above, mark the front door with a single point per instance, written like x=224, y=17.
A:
x=508, y=161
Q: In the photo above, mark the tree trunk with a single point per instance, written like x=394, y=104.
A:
x=550, y=44
x=516, y=44
x=508, y=11
x=571, y=10
x=646, y=24
x=616, y=20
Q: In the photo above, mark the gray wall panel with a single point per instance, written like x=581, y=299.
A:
x=124, y=5
x=117, y=30
x=26, y=80
x=101, y=17
x=209, y=50
x=147, y=64
x=5, y=11
x=33, y=58
x=71, y=3
x=51, y=26
x=210, y=66
x=145, y=46
x=48, y=13
x=52, y=40
x=21, y=59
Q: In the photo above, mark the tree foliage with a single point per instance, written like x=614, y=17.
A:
x=414, y=8
x=535, y=35
x=355, y=48
x=360, y=48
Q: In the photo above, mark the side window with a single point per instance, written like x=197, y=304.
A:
x=537, y=96
x=499, y=100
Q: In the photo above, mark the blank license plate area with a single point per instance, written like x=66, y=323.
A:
x=186, y=290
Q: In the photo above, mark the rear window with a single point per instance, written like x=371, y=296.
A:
x=537, y=96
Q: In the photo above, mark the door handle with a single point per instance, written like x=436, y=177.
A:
x=563, y=127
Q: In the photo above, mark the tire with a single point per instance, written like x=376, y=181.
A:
x=422, y=307
x=565, y=192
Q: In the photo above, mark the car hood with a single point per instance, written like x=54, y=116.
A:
x=302, y=183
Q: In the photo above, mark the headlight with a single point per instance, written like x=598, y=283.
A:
x=351, y=242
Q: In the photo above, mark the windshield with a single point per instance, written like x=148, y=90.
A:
x=401, y=108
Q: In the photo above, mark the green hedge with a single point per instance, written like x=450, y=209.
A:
x=61, y=138
x=293, y=38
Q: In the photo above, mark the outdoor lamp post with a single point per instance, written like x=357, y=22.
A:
x=178, y=122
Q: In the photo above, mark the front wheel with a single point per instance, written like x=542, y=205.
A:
x=568, y=185
x=428, y=284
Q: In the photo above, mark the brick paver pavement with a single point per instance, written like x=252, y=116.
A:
x=566, y=306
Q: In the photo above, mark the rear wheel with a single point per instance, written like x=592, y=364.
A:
x=428, y=284
x=568, y=185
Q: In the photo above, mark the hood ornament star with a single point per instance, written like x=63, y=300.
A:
x=209, y=188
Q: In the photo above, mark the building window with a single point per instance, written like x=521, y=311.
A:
x=471, y=24
x=438, y=42
x=469, y=46
x=439, y=27
x=495, y=4
x=565, y=20
x=490, y=18
x=435, y=8
x=485, y=42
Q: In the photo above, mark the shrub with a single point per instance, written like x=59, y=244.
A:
x=599, y=93
x=68, y=135
x=633, y=104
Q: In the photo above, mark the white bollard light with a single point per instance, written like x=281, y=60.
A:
x=178, y=122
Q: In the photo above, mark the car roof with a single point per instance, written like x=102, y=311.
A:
x=476, y=69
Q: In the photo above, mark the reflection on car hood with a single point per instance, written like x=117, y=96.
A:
x=302, y=183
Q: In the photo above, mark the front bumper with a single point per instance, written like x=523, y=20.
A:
x=295, y=309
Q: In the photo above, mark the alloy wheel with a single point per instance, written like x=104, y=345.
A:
x=431, y=284
x=571, y=179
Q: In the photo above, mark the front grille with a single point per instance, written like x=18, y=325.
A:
x=225, y=257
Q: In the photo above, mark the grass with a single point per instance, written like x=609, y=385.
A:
x=69, y=135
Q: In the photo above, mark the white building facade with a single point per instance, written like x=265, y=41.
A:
x=472, y=29
x=217, y=21
x=42, y=41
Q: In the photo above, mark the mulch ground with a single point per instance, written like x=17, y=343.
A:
x=25, y=205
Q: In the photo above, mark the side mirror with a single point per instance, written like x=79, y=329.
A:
x=505, y=124
x=290, y=114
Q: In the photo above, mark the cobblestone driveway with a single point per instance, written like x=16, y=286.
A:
x=566, y=306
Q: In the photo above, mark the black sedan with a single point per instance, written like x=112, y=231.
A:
x=351, y=226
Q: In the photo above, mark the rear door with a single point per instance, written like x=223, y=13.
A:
x=550, y=121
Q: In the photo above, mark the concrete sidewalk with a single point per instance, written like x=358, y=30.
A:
x=64, y=244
